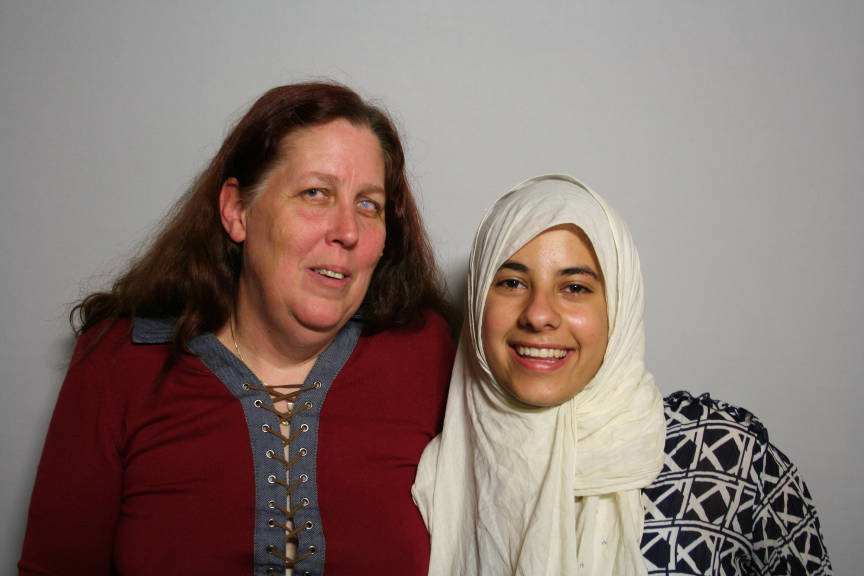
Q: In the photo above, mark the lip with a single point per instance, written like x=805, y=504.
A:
x=539, y=364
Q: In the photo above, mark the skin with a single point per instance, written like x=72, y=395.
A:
x=545, y=325
x=311, y=237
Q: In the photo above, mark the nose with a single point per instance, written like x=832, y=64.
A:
x=343, y=226
x=540, y=312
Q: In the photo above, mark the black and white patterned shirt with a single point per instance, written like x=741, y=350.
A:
x=727, y=501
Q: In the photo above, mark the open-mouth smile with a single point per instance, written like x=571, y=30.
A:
x=539, y=357
x=329, y=273
x=540, y=353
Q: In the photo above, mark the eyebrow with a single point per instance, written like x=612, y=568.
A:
x=573, y=270
x=333, y=181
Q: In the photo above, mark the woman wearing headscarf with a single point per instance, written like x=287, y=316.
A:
x=559, y=455
x=253, y=394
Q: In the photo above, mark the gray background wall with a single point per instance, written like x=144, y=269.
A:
x=729, y=134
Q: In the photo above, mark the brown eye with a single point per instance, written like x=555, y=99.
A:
x=577, y=289
x=510, y=283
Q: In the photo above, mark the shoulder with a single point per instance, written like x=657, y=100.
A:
x=430, y=336
x=103, y=340
x=104, y=374
x=416, y=355
x=706, y=489
x=121, y=354
x=723, y=481
x=116, y=340
x=708, y=438
x=685, y=411
x=705, y=435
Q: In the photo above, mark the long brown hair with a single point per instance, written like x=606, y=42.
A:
x=191, y=269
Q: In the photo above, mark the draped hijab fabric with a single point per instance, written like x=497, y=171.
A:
x=512, y=489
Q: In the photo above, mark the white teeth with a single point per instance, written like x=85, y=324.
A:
x=555, y=353
x=330, y=273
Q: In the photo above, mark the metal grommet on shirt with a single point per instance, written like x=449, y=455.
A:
x=269, y=453
x=271, y=522
x=304, y=478
x=271, y=504
x=316, y=385
x=257, y=403
x=304, y=427
x=311, y=549
x=309, y=525
x=271, y=479
x=245, y=386
x=308, y=405
x=265, y=428
x=302, y=452
x=304, y=502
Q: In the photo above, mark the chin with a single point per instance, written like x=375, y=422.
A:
x=323, y=318
x=531, y=396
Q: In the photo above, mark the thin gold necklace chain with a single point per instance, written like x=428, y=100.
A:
x=236, y=346
x=243, y=358
x=271, y=387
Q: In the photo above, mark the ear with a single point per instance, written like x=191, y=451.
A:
x=232, y=210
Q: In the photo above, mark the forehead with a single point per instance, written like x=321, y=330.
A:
x=338, y=135
x=562, y=241
x=336, y=151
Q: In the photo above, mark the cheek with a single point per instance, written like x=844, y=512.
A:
x=297, y=239
x=379, y=240
x=590, y=327
x=265, y=248
x=286, y=237
x=374, y=240
x=488, y=332
x=494, y=332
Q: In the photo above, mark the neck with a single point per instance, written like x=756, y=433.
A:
x=275, y=359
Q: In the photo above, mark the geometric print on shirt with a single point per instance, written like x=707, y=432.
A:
x=727, y=501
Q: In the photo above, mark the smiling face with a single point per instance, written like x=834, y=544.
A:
x=545, y=324
x=313, y=234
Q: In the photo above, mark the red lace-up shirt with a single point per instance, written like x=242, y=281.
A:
x=140, y=477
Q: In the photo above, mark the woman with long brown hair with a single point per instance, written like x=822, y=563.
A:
x=254, y=392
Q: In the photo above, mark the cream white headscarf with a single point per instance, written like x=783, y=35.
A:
x=507, y=489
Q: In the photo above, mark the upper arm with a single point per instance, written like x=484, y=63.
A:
x=786, y=530
x=76, y=496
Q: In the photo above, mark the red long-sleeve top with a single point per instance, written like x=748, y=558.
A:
x=146, y=477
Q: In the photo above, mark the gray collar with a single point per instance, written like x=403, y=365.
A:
x=153, y=330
